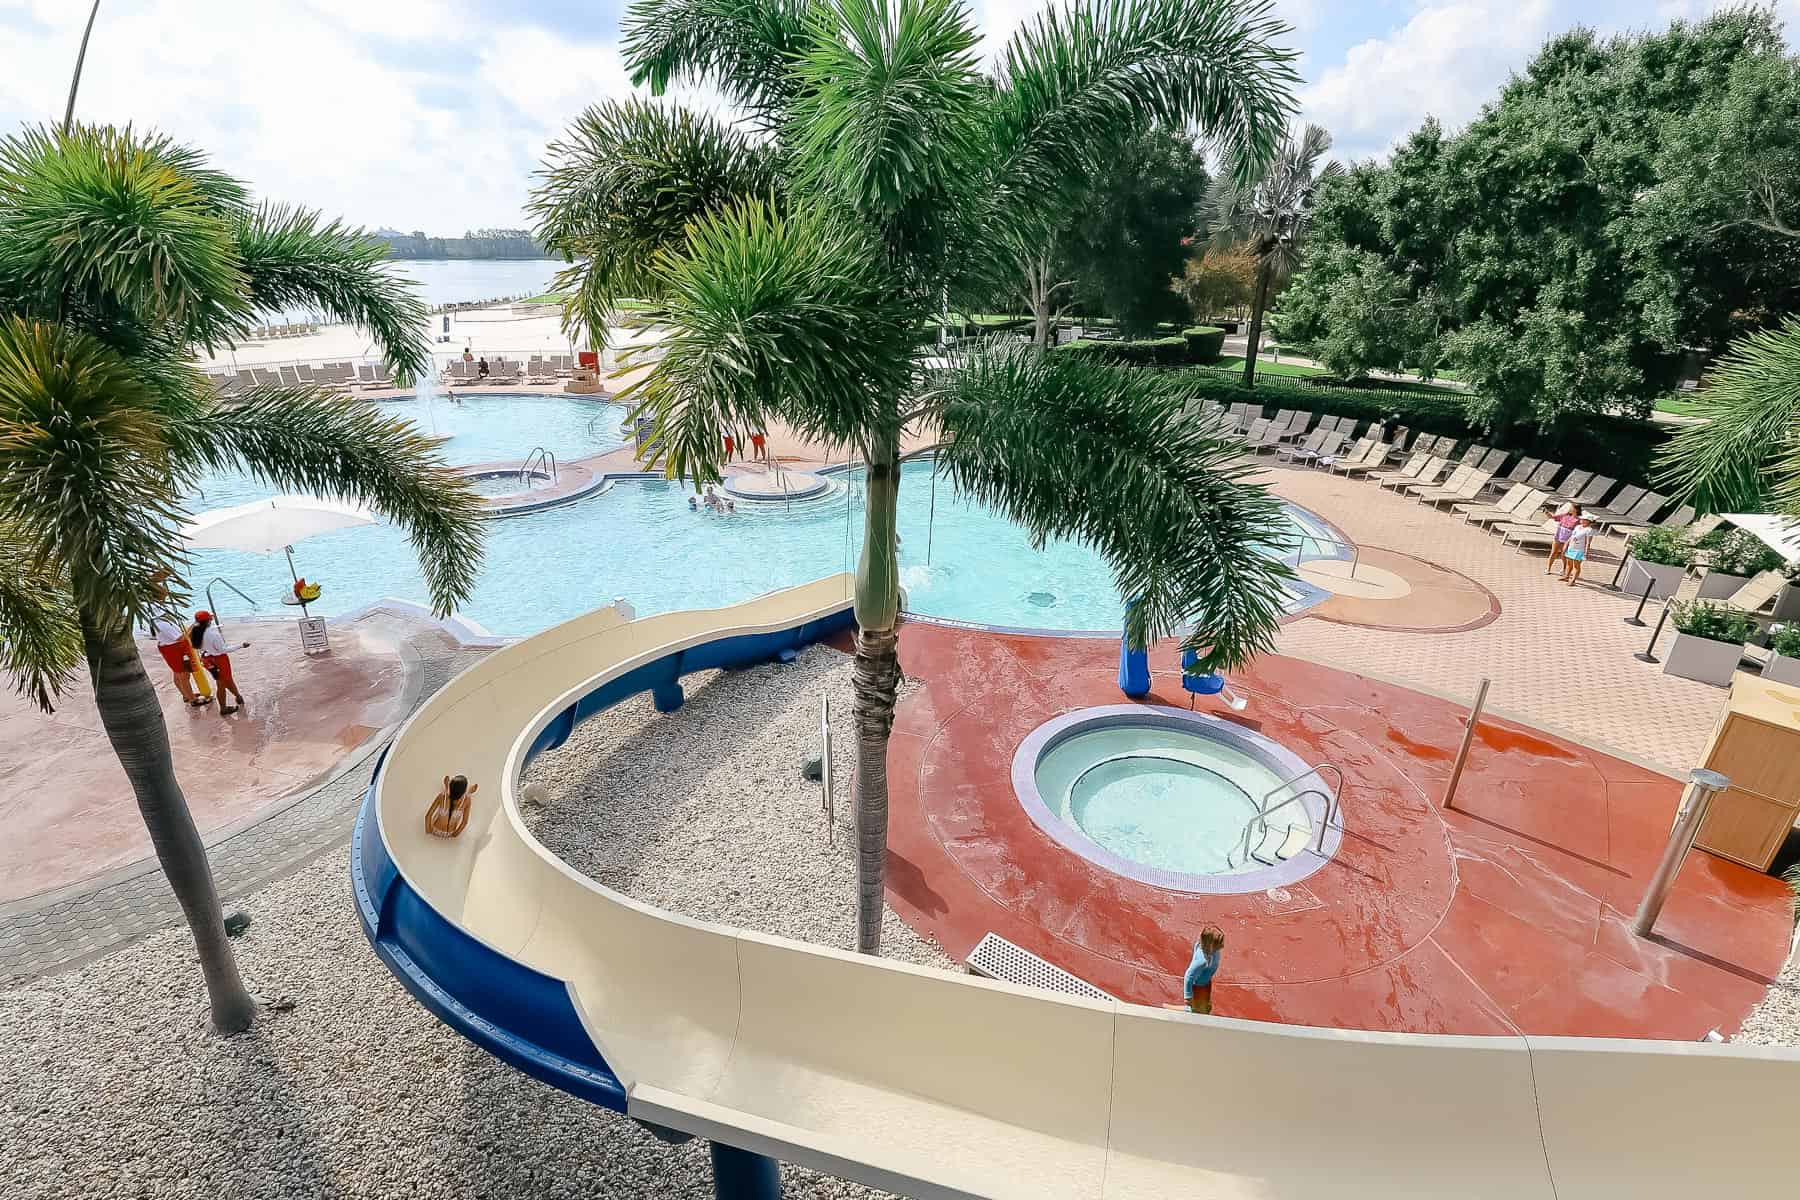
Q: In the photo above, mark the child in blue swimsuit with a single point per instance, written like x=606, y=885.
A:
x=1196, y=984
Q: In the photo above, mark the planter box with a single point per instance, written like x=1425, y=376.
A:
x=1787, y=604
x=1667, y=579
x=1782, y=669
x=1716, y=585
x=1703, y=659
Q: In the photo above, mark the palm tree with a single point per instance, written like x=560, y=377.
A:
x=1744, y=456
x=118, y=254
x=885, y=178
x=1270, y=212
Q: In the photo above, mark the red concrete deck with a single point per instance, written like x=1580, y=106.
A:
x=64, y=801
x=1508, y=915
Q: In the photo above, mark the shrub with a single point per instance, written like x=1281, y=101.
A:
x=1741, y=552
x=1785, y=641
x=1205, y=343
x=1715, y=622
x=1145, y=352
x=1664, y=547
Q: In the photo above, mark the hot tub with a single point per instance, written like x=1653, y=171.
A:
x=1178, y=799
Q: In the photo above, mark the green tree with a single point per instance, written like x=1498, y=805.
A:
x=1270, y=211
x=119, y=253
x=1359, y=318
x=1216, y=281
x=794, y=262
x=1125, y=239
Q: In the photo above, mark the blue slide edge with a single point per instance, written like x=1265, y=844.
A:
x=515, y=1012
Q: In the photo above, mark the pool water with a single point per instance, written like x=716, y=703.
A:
x=1169, y=800
x=638, y=540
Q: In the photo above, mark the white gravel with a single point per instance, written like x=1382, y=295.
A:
x=113, y=1087
x=704, y=810
x=1776, y=1019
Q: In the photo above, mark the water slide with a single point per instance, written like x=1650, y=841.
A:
x=937, y=1084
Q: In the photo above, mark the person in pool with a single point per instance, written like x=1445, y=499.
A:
x=1196, y=984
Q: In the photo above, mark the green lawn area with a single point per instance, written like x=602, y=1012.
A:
x=560, y=297
x=1265, y=367
x=1678, y=406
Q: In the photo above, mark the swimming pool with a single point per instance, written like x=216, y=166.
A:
x=1174, y=798
x=637, y=539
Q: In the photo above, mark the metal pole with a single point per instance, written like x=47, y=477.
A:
x=1624, y=561
x=931, y=521
x=1646, y=654
x=1703, y=785
x=1637, y=618
x=825, y=769
x=1462, y=752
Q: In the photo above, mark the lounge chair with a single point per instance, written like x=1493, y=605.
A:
x=1457, y=478
x=1545, y=476
x=289, y=378
x=1470, y=488
x=1354, y=452
x=266, y=378
x=305, y=372
x=1757, y=591
x=1245, y=415
x=1427, y=467
x=1520, y=473
x=1520, y=500
x=365, y=376
x=383, y=376
x=1623, y=503
x=1374, y=456
x=1594, y=493
x=1681, y=518
x=1262, y=436
x=1574, y=484
x=1311, y=447
x=1493, y=460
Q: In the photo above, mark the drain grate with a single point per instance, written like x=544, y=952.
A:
x=997, y=958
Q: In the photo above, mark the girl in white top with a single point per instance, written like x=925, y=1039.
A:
x=172, y=644
x=216, y=656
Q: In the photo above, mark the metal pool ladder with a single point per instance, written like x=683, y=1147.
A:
x=538, y=455
x=1264, y=810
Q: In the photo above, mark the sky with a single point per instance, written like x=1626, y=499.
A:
x=433, y=114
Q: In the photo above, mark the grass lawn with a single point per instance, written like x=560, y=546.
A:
x=559, y=297
x=1265, y=367
x=1678, y=406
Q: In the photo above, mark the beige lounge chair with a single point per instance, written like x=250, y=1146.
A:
x=1457, y=478
x=1520, y=501
x=1419, y=466
x=1374, y=455
x=1471, y=487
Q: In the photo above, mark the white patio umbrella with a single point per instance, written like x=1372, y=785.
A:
x=265, y=526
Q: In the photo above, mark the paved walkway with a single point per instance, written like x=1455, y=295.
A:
x=1509, y=915
x=72, y=924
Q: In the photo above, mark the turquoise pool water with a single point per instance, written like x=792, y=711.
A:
x=639, y=540
x=1169, y=800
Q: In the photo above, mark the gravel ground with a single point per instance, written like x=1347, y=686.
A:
x=113, y=1086
x=1776, y=1020
x=704, y=810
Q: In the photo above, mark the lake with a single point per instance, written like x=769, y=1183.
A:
x=458, y=281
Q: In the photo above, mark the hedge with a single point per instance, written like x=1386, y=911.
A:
x=1158, y=352
x=1205, y=343
x=1617, y=446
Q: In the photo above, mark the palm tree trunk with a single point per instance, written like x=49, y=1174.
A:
x=1265, y=272
x=134, y=725
x=876, y=680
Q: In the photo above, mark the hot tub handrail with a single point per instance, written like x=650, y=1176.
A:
x=1264, y=810
x=538, y=454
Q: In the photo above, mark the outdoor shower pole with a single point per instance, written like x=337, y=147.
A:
x=1462, y=753
x=1703, y=785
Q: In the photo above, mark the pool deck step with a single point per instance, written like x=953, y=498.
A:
x=1281, y=843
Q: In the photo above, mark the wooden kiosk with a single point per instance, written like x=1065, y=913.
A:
x=1756, y=745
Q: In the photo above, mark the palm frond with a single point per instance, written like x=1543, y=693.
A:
x=1071, y=448
x=295, y=259
x=773, y=316
x=125, y=230
x=40, y=638
x=891, y=104
x=1745, y=455
x=624, y=183
x=745, y=48
x=1272, y=210
x=88, y=488
x=1095, y=71
x=302, y=440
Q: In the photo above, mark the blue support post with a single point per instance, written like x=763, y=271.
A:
x=1134, y=664
x=667, y=696
x=741, y=1175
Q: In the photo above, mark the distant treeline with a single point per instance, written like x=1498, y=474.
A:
x=477, y=243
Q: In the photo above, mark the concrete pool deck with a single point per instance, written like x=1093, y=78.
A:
x=1508, y=915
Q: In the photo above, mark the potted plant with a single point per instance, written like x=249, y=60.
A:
x=1662, y=555
x=1709, y=641
x=1732, y=558
x=1784, y=661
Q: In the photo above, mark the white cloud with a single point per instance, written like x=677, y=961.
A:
x=1444, y=62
